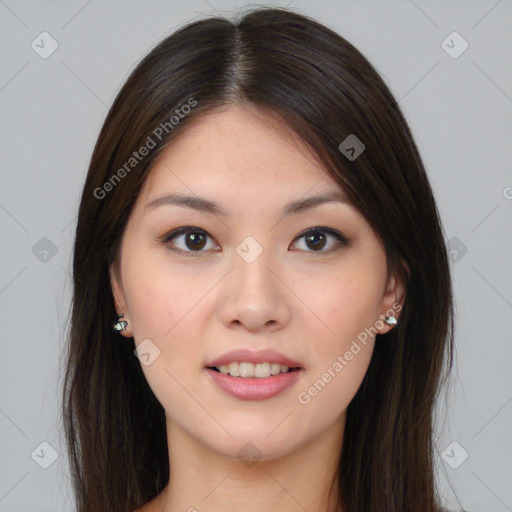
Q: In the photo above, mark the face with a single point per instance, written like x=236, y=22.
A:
x=311, y=284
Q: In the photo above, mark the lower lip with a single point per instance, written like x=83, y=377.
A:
x=256, y=388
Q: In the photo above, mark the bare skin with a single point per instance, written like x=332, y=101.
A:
x=308, y=301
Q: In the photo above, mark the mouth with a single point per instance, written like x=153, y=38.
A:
x=247, y=370
x=254, y=374
x=249, y=381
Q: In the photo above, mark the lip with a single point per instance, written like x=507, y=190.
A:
x=254, y=388
x=250, y=356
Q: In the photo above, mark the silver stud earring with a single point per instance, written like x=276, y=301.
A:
x=120, y=325
x=390, y=320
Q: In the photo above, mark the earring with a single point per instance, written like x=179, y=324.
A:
x=120, y=325
x=390, y=320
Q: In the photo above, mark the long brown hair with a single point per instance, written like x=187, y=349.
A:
x=325, y=90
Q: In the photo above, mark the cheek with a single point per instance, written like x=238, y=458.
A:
x=341, y=350
x=158, y=297
x=161, y=306
x=345, y=307
x=151, y=306
x=329, y=389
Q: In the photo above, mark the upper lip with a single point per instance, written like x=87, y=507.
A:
x=251, y=356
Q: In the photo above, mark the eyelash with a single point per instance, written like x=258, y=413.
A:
x=342, y=240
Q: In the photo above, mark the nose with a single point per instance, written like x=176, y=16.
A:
x=255, y=297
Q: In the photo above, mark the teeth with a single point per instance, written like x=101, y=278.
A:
x=275, y=368
x=251, y=370
x=233, y=370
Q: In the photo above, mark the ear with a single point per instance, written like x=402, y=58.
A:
x=392, y=300
x=119, y=298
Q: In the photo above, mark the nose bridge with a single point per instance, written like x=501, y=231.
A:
x=253, y=296
x=251, y=267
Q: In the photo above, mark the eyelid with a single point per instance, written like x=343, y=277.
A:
x=324, y=229
x=341, y=239
x=183, y=230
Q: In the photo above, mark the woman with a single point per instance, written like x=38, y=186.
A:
x=262, y=312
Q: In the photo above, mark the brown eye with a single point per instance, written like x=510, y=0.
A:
x=317, y=238
x=193, y=240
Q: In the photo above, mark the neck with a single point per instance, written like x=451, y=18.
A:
x=204, y=479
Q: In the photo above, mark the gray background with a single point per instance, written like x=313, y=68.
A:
x=460, y=111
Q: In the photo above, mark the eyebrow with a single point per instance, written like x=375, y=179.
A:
x=208, y=206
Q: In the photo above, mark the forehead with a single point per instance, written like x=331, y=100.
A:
x=240, y=148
